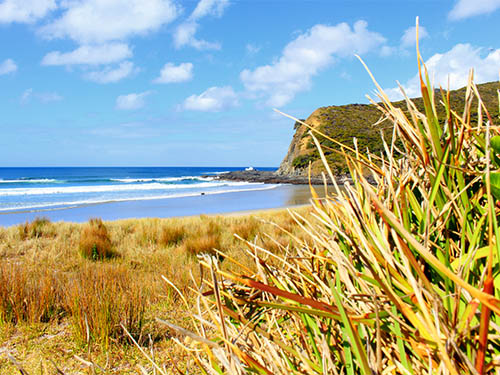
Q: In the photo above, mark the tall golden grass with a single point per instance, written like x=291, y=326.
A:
x=398, y=276
x=46, y=285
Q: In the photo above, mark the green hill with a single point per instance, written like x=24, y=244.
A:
x=345, y=122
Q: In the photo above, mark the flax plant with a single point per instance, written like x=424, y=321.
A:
x=398, y=275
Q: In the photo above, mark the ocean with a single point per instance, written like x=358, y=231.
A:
x=76, y=194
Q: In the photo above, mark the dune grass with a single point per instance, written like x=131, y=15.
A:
x=62, y=295
x=398, y=276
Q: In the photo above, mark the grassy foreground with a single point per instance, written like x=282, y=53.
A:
x=397, y=276
x=67, y=289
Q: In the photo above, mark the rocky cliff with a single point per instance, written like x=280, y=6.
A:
x=345, y=122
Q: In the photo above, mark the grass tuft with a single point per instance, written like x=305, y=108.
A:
x=95, y=242
x=101, y=298
x=40, y=227
x=172, y=234
x=201, y=244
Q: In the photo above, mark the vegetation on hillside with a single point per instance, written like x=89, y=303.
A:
x=365, y=123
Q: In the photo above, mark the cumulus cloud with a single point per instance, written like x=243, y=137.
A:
x=44, y=97
x=185, y=34
x=7, y=66
x=131, y=101
x=470, y=8
x=305, y=56
x=89, y=55
x=97, y=21
x=111, y=75
x=214, y=99
x=409, y=37
x=25, y=11
x=455, y=65
x=171, y=73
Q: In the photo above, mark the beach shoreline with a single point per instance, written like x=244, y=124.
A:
x=233, y=203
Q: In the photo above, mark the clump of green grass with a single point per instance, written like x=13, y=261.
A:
x=395, y=276
x=95, y=242
x=39, y=227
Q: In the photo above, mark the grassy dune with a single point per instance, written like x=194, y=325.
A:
x=66, y=289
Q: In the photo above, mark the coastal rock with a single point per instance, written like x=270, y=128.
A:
x=269, y=177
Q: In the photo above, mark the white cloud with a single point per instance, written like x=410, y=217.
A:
x=25, y=11
x=470, y=8
x=455, y=65
x=305, y=56
x=97, y=21
x=212, y=100
x=185, y=33
x=410, y=36
x=131, y=101
x=26, y=95
x=209, y=7
x=175, y=73
x=8, y=66
x=47, y=97
x=89, y=55
x=252, y=49
x=110, y=75
x=44, y=97
x=386, y=51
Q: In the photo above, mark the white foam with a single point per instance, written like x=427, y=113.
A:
x=72, y=204
x=217, y=173
x=162, y=179
x=33, y=181
x=114, y=188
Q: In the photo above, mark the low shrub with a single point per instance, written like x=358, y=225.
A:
x=95, y=242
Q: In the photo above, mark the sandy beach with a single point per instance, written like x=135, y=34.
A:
x=279, y=197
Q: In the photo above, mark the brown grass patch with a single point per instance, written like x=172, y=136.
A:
x=101, y=298
x=40, y=227
x=28, y=294
x=172, y=234
x=95, y=242
x=203, y=244
x=246, y=228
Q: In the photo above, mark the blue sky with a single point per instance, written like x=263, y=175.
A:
x=194, y=83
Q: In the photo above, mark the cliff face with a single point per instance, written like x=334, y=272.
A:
x=361, y=121
x=298, y=147
x=341, y=123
